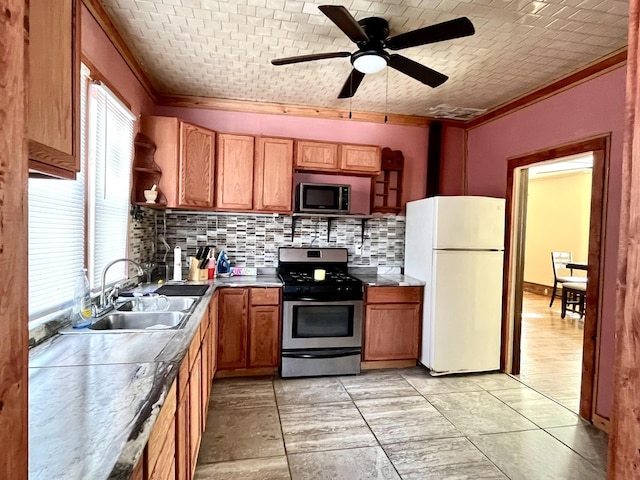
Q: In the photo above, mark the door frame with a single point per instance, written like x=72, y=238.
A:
x=511, y=327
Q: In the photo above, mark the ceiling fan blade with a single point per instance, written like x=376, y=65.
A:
x=351, y=85
x=345, y=22
x=460, y=27
x=309, y=58
x=416, y=70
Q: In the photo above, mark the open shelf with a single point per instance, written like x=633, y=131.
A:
x=330, y=217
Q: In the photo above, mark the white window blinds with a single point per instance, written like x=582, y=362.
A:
x=57, y=233
x=109, y=172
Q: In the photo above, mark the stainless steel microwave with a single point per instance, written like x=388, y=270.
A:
x=323, y=198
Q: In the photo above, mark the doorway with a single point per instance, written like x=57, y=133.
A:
x=517, y=183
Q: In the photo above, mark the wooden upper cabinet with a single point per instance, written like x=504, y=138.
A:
x=360, y=158
x=54, y=87
x=185, y=155
x=196, y=166
x=316, y=156
x=234, y=189
x=273, y=175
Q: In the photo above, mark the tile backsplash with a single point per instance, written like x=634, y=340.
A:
x=253, y=240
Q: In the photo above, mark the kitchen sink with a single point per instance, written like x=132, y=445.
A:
x=176, y=304
x=139, y=321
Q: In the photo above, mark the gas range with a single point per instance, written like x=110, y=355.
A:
x=297, y=268
x=321, y=313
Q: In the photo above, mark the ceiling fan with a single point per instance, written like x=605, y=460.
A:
x=370, y=34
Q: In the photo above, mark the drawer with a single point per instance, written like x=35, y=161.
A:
x=164, y=424
x=394, y=294
x=264, y=296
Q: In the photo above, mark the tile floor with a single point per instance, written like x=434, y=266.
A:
x=394, y=424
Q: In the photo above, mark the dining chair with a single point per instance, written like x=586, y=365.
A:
x=559, y=262
x=574, y=296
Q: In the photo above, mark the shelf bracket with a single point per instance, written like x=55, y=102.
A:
x=363, y=229
x=329, y=220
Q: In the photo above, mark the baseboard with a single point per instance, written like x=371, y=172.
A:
x=602, y=423
x=246, y=372
x=539, y=289
x=387, y=364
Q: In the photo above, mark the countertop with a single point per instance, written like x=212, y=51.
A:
x=94, y=397
x=389, y=280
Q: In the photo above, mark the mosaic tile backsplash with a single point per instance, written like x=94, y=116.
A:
x=253, y=240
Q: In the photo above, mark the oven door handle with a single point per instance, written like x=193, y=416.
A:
x=344, y=353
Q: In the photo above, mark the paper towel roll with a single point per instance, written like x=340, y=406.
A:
x=177, y=264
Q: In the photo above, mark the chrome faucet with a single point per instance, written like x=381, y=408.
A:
x=103, y=296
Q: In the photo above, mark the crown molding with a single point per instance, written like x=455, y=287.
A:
x=591, y=71
x=101, y=16
x=187, y=101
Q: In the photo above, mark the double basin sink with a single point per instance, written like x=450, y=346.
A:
x=123, y=318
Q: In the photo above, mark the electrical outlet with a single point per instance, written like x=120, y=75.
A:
x=358, y=249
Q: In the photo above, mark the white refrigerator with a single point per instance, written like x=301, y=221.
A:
x=456, y=245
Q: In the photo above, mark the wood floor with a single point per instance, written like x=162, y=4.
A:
x=551, y=350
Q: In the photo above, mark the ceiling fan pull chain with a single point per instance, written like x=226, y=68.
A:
x=350, y=96
x=386, y=99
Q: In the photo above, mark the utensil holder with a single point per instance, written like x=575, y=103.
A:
x=195, y=273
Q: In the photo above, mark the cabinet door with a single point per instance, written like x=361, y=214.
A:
x=54, y=93
x=273, y=179
x=392, y=332
x=213, y=329
x=183, y=452
x=316, y=156
x=206, y=380
x=264, y=336
x=195, y=423
x=196, y=166
x=234, y=189
x=360, y=158
x=233, y=306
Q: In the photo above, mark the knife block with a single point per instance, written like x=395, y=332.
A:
x=195, y=273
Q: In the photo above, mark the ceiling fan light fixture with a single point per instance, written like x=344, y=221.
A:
x=369, y=61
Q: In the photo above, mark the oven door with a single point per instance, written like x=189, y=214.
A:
x=317, y=325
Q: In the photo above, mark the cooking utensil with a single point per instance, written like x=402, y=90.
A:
x=204, y=258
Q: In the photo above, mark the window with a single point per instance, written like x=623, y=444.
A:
x=110, y=152
x=90, y=214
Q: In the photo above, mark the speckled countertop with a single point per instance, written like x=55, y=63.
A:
x=389, y=280
x=94, y=397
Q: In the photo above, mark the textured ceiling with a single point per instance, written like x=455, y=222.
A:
x=223, y=49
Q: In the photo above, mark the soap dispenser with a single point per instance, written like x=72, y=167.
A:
x=81, y=316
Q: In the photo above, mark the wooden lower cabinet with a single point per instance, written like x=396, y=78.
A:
x=249, y=329
x=392, y=323
x=159, y=454
x=183, y=453
x=264, y=336
x=195, y=411
x=233, y=308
